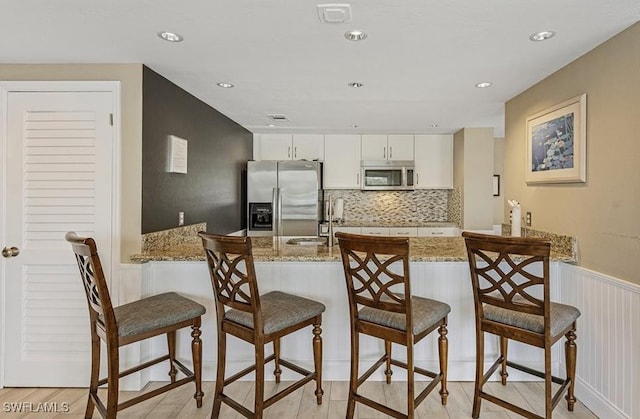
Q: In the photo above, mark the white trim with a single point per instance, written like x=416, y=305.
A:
x=114, y=87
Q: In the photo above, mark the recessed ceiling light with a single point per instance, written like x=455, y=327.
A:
x=483, y=84
x=170, y=36
x=271, y=125
x=542, y=36
x=355, y=35
x=355, y=84
x=225, y=85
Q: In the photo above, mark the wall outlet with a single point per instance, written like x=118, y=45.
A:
x=527, y=219
x=181, y=218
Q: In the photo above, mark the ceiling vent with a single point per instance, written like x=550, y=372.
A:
x=334, y=13
x=277, y=117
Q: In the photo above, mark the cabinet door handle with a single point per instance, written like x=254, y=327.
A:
x=417, y=178
x=390, y=152
x=357, y=178
x=289, y=152
x=295, y=152
x=384, y=152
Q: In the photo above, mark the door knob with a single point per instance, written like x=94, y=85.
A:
x=9, y=252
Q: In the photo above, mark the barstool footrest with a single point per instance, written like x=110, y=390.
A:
x=246, y=371
x=564, y=383
x=510, y=406
x=308, y=376
x=379, y=407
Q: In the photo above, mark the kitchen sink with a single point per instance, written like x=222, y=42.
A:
x=308, y=241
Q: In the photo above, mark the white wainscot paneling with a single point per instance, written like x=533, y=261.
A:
x=608, y=365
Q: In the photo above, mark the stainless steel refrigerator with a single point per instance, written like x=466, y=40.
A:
x=284, y=198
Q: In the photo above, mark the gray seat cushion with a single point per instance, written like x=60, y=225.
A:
x=155, y=312
x=424, y=312
x=562, y=316
x=279, y=311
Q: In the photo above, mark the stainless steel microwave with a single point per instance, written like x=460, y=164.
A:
x=387, y=175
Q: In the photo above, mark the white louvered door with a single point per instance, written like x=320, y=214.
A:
x=58, y=178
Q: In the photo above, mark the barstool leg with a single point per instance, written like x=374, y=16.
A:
x=548, y=404
x=259, y=393
x=353, y=381
x=443, y=353
x=317, y=360
x=479, y=374
x=276, y=352
x=411, y=400
x=171, y=344
x=95, y=372
x=222, y=355
x=570, y=350
x=387, y=351
x=196, y=354
x=113, y=375
x=504, y=345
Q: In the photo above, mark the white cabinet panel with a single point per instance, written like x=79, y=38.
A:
x=438, y=231
x=289, y=147
x=341, y=161
x=374, y=147
x=308, y=147
x=403, y=231
x=376, y=231
x=434, y=161
x=387, y=147
x=400, y=147
x=274, y=146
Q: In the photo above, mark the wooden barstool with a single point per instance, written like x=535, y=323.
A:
x=381, y=305
x=258, y=320
x=510, y=278
x=118, y=326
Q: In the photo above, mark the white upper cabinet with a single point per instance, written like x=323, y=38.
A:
x=387, y=147
x=288, y=147
x=433, y=162
x=341, y=161
x=308, y=147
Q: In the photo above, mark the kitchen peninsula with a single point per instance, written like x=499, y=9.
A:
x=439, y=270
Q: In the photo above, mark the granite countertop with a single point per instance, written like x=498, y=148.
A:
x=395, y=224
x=273, y=249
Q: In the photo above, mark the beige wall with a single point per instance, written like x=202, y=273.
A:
x=604, y=212
x=130, y=78
x=473, y=173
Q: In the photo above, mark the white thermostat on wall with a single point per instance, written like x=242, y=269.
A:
x=177, y=155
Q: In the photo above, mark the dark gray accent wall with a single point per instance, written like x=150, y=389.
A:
x=218, y=149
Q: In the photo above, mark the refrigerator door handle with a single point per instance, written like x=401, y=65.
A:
x=278, y=205
x=276, y=217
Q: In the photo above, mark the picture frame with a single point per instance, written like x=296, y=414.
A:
x=556, y=143
x=496, y=185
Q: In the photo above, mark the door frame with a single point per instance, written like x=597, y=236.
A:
x=6, y=87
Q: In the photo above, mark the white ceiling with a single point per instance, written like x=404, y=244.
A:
x=419, y=63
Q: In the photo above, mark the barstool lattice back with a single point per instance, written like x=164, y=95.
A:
x=381, y=305
x=118, y=326
x=510, y=280
x=257, y=319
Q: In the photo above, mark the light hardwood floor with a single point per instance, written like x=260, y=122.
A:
x=301, y=404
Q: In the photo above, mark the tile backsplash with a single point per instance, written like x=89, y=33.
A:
x=429, y=205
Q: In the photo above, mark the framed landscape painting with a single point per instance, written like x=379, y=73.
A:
x=556, y=143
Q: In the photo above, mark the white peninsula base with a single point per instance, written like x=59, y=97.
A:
x=324, y=282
